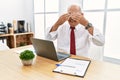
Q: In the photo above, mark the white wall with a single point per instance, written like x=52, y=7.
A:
x=29, y=12
x=16, y=10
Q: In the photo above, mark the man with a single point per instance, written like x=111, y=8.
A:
x=73, y=25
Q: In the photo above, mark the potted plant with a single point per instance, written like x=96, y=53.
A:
x=27, y=57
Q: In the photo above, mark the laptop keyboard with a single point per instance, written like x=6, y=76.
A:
x=59, y=56
x=62, y=55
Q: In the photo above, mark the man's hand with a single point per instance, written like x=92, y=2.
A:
x=63, y=18
x=60, y=21
x=79, y=17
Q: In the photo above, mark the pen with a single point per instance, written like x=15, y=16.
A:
x=65, y=65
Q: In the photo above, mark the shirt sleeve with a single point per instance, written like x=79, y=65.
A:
x=50, y=35
x=97, y=38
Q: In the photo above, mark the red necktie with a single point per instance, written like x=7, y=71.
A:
x=72, y=41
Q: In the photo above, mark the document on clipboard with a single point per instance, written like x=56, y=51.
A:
x=73, y=66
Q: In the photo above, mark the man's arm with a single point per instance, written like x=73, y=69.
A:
x=54, y=27
x=79, y=17
x=88, y=27
x=51, y=33
x=60, y=21
x=97, y=37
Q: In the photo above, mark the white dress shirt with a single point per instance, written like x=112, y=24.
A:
x=82, y=38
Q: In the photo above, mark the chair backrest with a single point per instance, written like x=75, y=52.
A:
x=3, y=46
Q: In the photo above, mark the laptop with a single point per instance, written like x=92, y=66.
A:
x=45, y=48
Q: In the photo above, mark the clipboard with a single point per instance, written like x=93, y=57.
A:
x=73, y=66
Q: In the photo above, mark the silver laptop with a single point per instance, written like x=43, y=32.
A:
x=45, y=48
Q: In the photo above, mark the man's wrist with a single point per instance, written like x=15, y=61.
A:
x=89, y=25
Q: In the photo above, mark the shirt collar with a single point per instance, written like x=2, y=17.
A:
x=77, y=27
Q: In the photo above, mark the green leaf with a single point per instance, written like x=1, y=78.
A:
x=27, y=55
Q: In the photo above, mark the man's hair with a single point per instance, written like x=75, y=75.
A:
x=75, y=5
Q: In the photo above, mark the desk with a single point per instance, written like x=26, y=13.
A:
x=11, y=68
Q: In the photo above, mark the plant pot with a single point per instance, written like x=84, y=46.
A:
x=27, y=62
